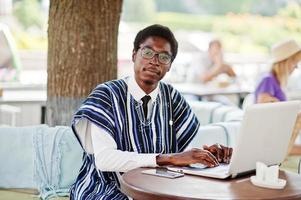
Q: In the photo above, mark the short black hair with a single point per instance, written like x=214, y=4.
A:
x=159, y=31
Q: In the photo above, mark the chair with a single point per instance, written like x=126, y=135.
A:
x=40, y=161
x=249, y=100
x=213, y=112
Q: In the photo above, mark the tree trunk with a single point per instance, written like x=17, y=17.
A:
x=82, y=52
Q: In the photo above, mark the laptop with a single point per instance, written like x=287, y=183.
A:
x=264, y=136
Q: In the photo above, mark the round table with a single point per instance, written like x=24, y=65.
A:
x=147, y=187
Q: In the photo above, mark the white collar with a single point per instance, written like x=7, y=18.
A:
x=135, y=90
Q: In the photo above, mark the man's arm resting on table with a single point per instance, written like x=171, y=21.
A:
x=188, y=157
x=210, y=156
x=217, y=70
x=108, y=158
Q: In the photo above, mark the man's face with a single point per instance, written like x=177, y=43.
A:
x=150, y=71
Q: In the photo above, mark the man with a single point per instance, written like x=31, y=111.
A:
x=137, y=122
x=212, y=65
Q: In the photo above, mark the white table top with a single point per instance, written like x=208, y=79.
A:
x=21, y=86
x=210, y=89
x=38, y=93
x=24, y=96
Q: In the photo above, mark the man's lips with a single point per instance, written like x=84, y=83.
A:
x=152, y=70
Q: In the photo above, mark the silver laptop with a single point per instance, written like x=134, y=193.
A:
x=264, y=136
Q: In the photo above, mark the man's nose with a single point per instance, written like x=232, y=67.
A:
x=155, y=59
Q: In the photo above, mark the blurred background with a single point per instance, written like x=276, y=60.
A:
x=247, y=29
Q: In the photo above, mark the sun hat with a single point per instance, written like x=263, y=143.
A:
x=284, y=50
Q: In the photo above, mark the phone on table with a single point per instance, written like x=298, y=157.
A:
x=163, y=173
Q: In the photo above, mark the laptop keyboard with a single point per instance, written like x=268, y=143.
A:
x=221, y=169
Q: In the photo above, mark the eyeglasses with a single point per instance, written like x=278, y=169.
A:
x=148, y=53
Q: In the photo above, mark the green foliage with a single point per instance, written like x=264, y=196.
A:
x=172, y=6
x=139, y=11
x=245, y=33
x=26, y=40
x=220, y=7
x=28, y=13
x=292, y=10
x=185, y=21
x=242, y=33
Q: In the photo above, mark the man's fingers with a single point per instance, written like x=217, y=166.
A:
x=211, y=161
x=208, y=156
x=230, y=156
x=207, y=163
x=226, y=155
x=211, y=158
x=215, y=150
x=219, y=153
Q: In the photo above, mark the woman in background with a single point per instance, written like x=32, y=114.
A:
x=285, y=57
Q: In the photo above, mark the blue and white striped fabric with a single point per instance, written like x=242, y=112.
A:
x=170, y=128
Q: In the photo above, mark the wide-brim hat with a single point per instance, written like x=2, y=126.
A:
x=284, y=50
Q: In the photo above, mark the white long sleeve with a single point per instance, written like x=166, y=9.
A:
x=108, y=158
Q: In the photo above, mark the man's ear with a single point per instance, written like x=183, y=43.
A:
x=134, y=53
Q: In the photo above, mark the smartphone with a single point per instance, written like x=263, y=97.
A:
x=163, y=173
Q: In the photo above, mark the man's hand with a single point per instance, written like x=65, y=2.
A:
x=229, y=71
x=188, y=157
x=217, y=58
x=222, y=153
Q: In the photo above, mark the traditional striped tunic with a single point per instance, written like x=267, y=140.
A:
x=170, y=128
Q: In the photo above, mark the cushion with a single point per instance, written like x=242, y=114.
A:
x=204, y=110
x=213, y=112
x=42, y=157
x=12, y=194
x=17, y=157
x=226, y=113
x=58, y=160
x=223, y=133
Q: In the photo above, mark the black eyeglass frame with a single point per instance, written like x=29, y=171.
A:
x=156, y=54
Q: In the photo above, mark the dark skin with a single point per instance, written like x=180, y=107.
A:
x=148, y=73
x=222, y=153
